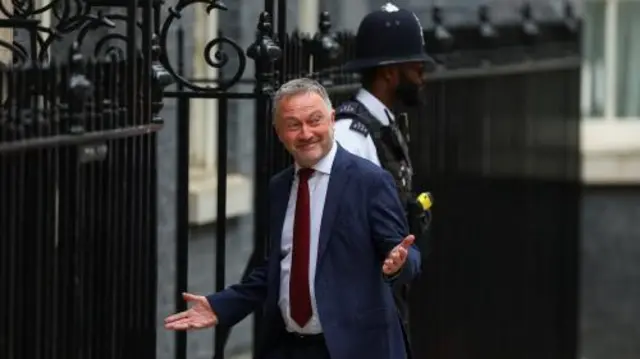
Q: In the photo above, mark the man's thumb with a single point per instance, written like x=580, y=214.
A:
x=408, y=241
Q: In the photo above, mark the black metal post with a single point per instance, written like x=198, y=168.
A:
x=281, y=20
x=182, y=201
x=221, y=212
x=148, y=176
x=264, y=52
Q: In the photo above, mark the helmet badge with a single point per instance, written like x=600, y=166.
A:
x=389, y=7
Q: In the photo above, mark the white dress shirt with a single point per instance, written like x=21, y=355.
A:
x=318, y=184
x=355, y=142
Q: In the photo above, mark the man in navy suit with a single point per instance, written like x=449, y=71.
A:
x=339, y=240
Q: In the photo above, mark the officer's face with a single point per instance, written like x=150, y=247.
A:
x=408, y=81
x=304, y=124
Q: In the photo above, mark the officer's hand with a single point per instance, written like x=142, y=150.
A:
x=398, y=255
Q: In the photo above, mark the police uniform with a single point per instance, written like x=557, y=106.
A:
x=366, y=127
x=354, y=136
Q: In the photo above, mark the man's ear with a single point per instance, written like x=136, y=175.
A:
x=389, y=74
x=332, y=116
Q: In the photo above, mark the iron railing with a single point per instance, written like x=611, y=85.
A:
x=78, y=183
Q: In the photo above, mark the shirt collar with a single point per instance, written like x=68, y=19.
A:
x=326, y=163
x=375, y=106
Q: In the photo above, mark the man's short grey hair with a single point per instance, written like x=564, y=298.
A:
x=300, y=86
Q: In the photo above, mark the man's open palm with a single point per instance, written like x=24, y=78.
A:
x=199, y=316
x=398, y=256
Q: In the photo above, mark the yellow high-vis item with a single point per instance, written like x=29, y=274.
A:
x=426, y=200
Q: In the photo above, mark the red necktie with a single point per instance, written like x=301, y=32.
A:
x=299, y=293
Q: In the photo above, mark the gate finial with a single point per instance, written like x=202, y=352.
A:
x=79, y=87
x=442, y=35
x=487, y=30
x=324, y=47
x=264, y=48
x=326, y=40
x=160, y=77
x=264, y=51
x=570, y=20
x=530, y=28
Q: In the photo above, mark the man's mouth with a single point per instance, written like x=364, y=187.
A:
x=306, y=146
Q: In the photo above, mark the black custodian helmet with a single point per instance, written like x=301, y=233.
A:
x=388, y=36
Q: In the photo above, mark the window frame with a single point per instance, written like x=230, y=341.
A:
x=610, y=144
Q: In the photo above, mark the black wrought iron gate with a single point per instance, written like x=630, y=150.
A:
x=263, y=52
x=78, y=181
x=78, y=171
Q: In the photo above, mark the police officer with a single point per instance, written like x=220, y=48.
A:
x=390, y=58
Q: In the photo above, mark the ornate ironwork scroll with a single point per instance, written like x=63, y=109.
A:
x=76, y=19
x=213, y=54
x=87, y=87
x=69, y=18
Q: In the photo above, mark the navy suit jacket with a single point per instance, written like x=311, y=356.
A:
x=362, y=221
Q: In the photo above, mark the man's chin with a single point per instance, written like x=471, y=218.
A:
x=307, y=159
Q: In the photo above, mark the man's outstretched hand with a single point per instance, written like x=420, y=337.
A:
x=397, y=257
x=199, y=316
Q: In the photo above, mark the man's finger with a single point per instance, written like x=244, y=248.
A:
x=395, y=260
x=198, y=325
x=390, y=269
x=387, y=269
x=395, y=256
x=402, y=253
x=175, y=317
x=182, y=324
x=189, y=297
x=387, y=266
x=407, y=241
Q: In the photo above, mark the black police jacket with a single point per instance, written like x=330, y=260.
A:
x=393, y=153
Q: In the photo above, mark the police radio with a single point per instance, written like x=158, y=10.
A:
x=425, y=199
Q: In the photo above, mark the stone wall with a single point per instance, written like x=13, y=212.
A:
x=610, y=287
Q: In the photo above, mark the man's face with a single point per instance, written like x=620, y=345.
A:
x=407, y=83
x=304, y=125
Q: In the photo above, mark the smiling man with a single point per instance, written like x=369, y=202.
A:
x=339, y=237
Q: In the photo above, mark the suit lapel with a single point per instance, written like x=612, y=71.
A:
x=337, y=183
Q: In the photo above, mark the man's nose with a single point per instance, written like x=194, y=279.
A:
x=305, y=132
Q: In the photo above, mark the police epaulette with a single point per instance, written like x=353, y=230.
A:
x=359, y=127
x=346, y=108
